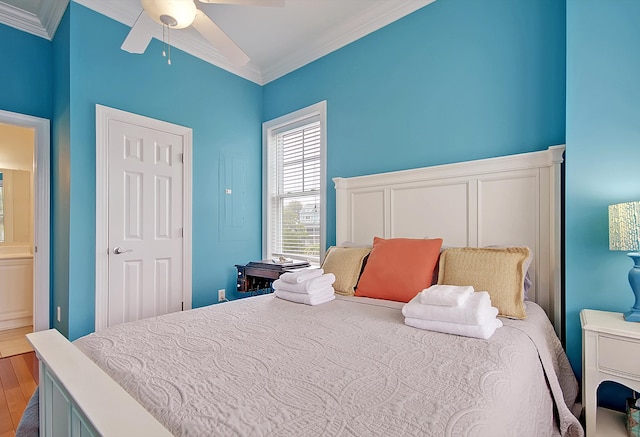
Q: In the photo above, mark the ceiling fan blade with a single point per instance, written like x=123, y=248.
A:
x=140, y=35
x=219, y=39
x=269, y=3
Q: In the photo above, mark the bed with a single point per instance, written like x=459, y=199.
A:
x=265, y=366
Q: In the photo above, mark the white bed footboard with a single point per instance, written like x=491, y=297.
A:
x=78, y=399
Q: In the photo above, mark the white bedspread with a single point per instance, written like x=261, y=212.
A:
x=267, y=367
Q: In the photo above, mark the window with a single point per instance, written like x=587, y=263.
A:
x=294, y=197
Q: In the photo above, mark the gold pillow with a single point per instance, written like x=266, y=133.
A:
x=346, y=264
x=500, y=271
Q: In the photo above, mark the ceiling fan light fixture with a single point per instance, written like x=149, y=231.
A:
x=167, y=12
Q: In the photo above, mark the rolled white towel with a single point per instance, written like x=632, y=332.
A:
x=446, y=295
x=475, y=311
x=483, y=331
x=301, y=275
x=317, y=283
x=307, y=299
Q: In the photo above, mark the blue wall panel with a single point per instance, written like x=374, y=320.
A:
x=60, y=171
x=25, y=75
x=603, y=145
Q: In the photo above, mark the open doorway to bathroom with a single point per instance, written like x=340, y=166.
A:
x=17, y=145
x=24, y=229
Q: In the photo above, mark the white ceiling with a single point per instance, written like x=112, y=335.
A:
x=278, y=40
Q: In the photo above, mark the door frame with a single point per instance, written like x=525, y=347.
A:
x=104, y=115
x=41, y=211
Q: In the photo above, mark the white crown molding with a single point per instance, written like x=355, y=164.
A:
x=374, y=19
x=22, y=20
x=123, y=15
x=43, y=24
x=50, y=13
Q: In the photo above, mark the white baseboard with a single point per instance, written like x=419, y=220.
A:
x=16, y=323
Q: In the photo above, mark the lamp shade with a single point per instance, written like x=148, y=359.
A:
x=624, y=226
x=182, y=11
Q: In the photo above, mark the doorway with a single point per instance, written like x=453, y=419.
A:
x=39, y=191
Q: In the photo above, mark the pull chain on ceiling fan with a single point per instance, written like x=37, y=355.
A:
x=168, y=22
x=179, y=14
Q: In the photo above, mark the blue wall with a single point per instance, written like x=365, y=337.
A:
x=25, y=75
x=456, y=80
x=603, y=160
x=225, y=113
x=60, y=170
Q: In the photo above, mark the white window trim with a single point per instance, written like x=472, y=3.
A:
x=268, y=129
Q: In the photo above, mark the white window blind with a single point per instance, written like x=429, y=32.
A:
x=294, y=186
x=296, y=209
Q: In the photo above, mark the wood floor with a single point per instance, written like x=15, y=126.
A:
x=18, y=381
x=13, y=342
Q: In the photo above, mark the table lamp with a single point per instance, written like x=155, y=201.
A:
x=624, y=234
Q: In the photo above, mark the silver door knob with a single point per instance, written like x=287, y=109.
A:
x=117, y=250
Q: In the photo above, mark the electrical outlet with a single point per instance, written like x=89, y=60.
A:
x=221, y=295
x=58, y=314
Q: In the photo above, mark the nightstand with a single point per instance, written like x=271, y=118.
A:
x=610, y=352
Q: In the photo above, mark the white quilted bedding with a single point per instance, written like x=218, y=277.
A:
x=267, y=367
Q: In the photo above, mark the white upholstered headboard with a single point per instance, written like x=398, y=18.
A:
x=512, y=200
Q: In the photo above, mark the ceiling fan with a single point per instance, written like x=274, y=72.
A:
x=180, y=14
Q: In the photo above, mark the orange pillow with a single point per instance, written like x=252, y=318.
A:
x=399, y=268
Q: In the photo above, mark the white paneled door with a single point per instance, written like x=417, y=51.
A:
x=145, y=222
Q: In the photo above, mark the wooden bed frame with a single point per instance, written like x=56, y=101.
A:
x=511, y=200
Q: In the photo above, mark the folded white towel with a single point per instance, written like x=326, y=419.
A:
x=308, y=286
x=301, y=275
x=307, y=299
x=446, y=295
x=483, y=331
x=476, y=310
